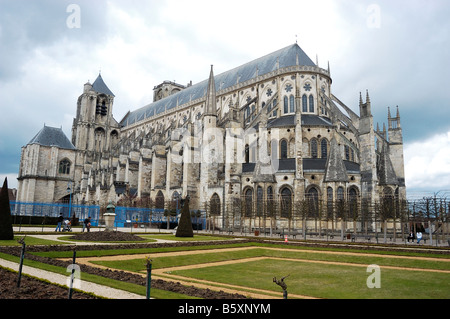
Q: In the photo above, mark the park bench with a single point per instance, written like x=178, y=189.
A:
x=283, y=233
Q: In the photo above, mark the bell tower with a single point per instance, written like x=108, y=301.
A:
x=94, y=129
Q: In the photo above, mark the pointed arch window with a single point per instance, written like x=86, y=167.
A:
x=286, y=202
x=291, y=104
x=247, y=154
x=324, y=148
x=313, y=201
x=283, y=149
x=353, y=202
x=347, y=152
x=311, y=103
x=340, y=193
x=304, y=103
x=270, y=202
x=330, y=203
x=286, y=105
x=314, y=148
x=259, y=201
x=248, y=202
x=215, y=204
x=159, y=200
x=64, y=167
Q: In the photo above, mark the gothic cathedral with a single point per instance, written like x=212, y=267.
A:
x=268, y=129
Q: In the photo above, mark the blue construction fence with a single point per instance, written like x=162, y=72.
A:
x=156, y=217
x=23, y=212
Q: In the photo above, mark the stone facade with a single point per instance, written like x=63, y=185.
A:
x=271, y=128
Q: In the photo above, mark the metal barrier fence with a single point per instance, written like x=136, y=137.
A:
x=22, y=213
x=148, y=217
x=21, y=210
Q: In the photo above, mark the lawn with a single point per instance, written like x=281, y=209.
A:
x=310, y=272
x=29, y=240
x=326, y=281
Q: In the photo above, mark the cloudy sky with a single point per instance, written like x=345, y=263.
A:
x=398, y=50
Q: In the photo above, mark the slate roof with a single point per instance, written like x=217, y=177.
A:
x=99, y=86
x=52, y=136
x=315, y=120
x=289, y=56
x=282, y=121
x=289, y=120
x=319, y=164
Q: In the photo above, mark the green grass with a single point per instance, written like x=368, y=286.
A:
x=29, y=240
x=122, y=285
x=327, y=281
x=174, y=261
x=312, y=279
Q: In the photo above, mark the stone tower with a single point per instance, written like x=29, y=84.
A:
x=94, y=128
x=94, y=134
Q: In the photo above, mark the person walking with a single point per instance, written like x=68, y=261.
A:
x=60, y=220
x=87, y=224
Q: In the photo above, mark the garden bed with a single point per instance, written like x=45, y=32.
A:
x=107, y=273
x=31, y=288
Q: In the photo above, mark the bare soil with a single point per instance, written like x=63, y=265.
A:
x=31, y=288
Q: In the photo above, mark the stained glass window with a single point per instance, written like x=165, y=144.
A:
x=292, y=104
x=304, y=103
x=324, y=148
x=286, y=106
x=311, y=103
x=314, y=148
x=64, y=167
x=283, y=149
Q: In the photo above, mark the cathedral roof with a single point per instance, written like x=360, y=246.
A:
x=99, y=86
x=289, y=56
x=52, y=136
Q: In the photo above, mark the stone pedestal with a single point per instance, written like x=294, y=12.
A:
x=109, y=220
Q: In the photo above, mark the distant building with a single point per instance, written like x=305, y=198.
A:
x=269, y=129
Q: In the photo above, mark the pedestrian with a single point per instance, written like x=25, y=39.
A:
x=411, y=237
x=419, y=237
x=87, y=224
x=60, y=220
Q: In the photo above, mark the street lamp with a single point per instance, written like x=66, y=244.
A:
x=69, y=190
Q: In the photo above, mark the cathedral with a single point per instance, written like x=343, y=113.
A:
x=270, y=129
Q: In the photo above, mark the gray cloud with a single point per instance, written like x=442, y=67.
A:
x=43, y=65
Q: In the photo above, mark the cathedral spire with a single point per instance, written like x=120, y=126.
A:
x=211, y=106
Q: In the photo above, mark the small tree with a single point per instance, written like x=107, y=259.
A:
x=6, y=228
x=185, y=224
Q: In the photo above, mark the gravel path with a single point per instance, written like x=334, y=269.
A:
x=98, y=290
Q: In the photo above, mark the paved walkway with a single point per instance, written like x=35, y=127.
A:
x=79, y=283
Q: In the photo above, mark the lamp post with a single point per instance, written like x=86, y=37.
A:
x=69, y=190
